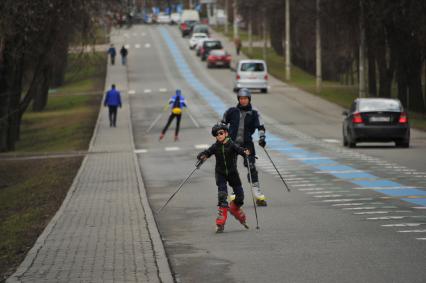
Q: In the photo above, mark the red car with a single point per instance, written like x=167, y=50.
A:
x=218, y=57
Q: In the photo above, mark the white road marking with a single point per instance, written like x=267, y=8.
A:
x=331, y=140
x=421, y=239
x=403, y=225
x=371, y=212
x=201, y=146
x=387, y=218
x=337, y=172
x=132, y=91
x=347, y=204
x=137, y=46
x=319, y=192
x=310, y=189
x=163, y=89
x=308, y=158
x=147, y=91
x=419, y=207
x=172, y=148
x=141, y=151
x=346, y=200
x=327, y=196
x=413, y=231
x=304, y=185
x=147, y=45
x=360, y=208
x=127, y=46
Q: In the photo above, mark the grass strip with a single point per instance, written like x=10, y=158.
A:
x=31, y=191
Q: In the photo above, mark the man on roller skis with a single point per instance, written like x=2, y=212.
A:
x=243, y=121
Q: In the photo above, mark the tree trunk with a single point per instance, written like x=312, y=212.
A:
x=414, y=79
x=276, y=28
x=41, y=89
x=59, y=67
x=385, y=66
x=372, y=83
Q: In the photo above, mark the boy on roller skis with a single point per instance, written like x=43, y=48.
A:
x=225, y=151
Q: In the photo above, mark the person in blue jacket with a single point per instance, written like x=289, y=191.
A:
x=176, y=103
x=113, y=101
x=112, y=52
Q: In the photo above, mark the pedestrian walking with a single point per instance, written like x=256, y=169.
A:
x=123, y=53
x=243, y=121
x=176, y=103
x=112, y=52
x=238, y=45
x=113, y=101
x=226, y=151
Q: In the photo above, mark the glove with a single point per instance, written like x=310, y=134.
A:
x=201, y=156
x=262, y=141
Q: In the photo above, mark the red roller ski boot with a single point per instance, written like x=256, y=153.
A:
x=238, y=213
x=222, y=215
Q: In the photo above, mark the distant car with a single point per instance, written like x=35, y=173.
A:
x=201, y=29
x=209, y=45
x=218, y=58
x=186, y=27
x=376, y=120
x=251, y=74
x=195, y=38
x=163, y=19
x=175, y=18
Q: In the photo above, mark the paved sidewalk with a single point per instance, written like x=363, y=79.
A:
x=104, y=230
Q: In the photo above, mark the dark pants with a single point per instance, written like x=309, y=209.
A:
x=234, y=181
x=112, y=115
x=252, y=160
x=112, y=60
x=171, y=117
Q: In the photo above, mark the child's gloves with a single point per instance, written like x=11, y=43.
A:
x=262, y=141
x=201, y=156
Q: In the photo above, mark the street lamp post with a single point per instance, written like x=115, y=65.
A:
x=287, y=41
x=236, y=35
x=318, y=49
x=361, y=52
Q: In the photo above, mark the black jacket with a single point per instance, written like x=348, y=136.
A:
x=252, y=122
x=226, y=156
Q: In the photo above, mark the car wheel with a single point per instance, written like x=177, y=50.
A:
x=345, y=140
x=403, y=143
x=209, y=66
x=264, y=90
x=351, y=142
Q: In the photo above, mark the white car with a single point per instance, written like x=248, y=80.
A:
x=195, y=38
x=251, y=74
x=163, y=19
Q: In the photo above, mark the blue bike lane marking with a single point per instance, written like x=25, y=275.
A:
x=415, y=196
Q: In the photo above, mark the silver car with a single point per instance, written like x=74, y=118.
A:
x=251, y=74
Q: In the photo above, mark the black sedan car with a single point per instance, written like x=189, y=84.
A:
x=376, y=120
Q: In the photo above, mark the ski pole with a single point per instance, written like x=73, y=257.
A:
x=252, y=194
x=156, y=119
x=155, y=122
x=273, y=164
x=197, y=166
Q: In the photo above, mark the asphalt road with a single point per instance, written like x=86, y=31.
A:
x=354, y=215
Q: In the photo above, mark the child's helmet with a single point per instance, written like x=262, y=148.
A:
x=219, y=126
x=244, y=92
